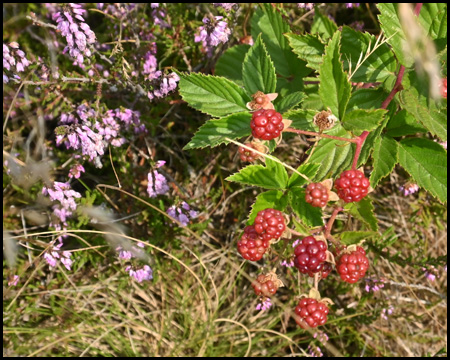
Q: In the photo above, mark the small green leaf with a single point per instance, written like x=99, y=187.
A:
x=360, y=120
x=214, y=132
x=402, y=124
x=212, y=95
x=308, y=170
x=391, y=25
x=426, y=162
x=366, y=99
x=334, y=156
x=363, y=210
x=384, y=158
x=434, y=121
x=229, y=64
x=272, y=176
x=380, y=65
x=308, y=48
x=289, y=101
x=270, y=23
x=323, y=25
x=334, y=88
x=301, y=119
x=272, y=199
x=258, y=71
x=355, y=237
x=309, y=215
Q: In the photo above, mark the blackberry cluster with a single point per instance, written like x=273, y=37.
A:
x=266, y=124
x=352, y=186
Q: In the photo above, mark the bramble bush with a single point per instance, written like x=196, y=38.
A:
x=326, y=113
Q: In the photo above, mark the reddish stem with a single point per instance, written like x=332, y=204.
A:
x=304, y=132
x=417, y=9
x=330, y=222
x=360, y=142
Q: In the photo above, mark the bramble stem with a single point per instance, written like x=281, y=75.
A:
x=312, y=133
x=360, y=142
x=329, y=225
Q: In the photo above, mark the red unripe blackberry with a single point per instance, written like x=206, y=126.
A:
x=352, y=185
x=266, y=124
x=327, y=267
x=353, y=266
x=264, y=286
x=310, y=255
x=252, y=246
x=316, y=195
x=247, y=155
x=269, y=224
x=444, y=88
x=311, y=313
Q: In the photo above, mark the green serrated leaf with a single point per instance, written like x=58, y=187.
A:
x=323, y=25
x=271, y=176
x=288, y=102
x=334, y=88
x=434, y=121
x=426, y=162
x=433, y=18
x=272, y=199
x=308, y=215
x=270, y=23
x=366, y=99
x=384, y=158
x=334, y=156
x=402, y=124
x=229, y=64
x=212, y=95
x=355, y=237
x=391, y=25
x=308, y=170
x=301, y=119
x=214, y=132
x=380, y=65
x=363, y=210
x=360, y=120
x=258, y=71
x=308, y=48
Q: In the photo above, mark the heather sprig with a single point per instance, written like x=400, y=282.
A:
x=14, y=61
x=214, y=31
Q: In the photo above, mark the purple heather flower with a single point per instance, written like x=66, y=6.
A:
x=357, y=25
x=14, y=61
x=386, y=312
x=430, y=272
x=306, y=6
x=295, y=243
x=409, y=188
x=157, y=184
x=213, y=33
x=287, y=264
x=78, y=34
x=373, y=284
x=321, y=336
x=54, y=254
x=163, y=85
x=182, y=214
x=14, y=280
x=314, y=351
x=264, y=305
x=145, y=273
x=151, y=66
x=76, y=171
x=351, y=5
x=226, y=6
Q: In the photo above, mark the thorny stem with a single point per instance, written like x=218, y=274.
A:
x=329, y=225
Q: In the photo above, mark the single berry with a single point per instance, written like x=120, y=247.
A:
x=311, y=313
x=266, y=124
x=310, y=255
x=352, y=185
x=444, y=88
x=316, y=195
x=264, y=286
x=326, y=270
x=269, y=224
x=247, y=155
x=251, y=245
x=353, y=266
